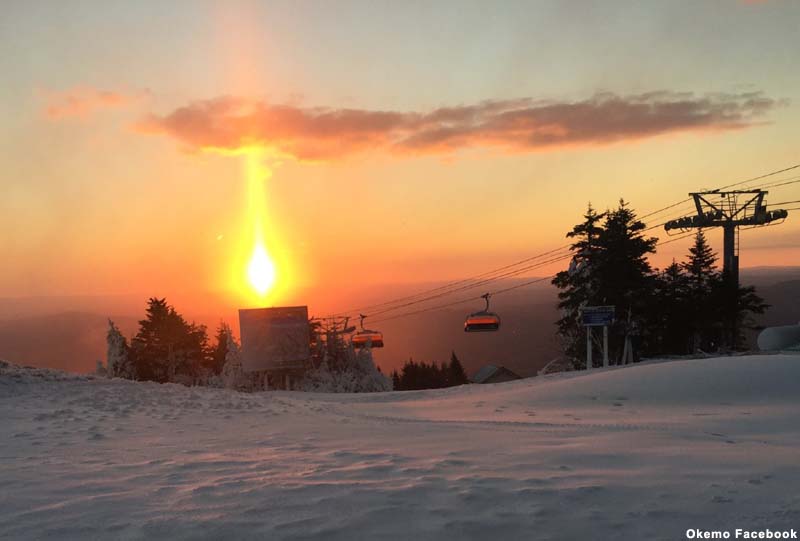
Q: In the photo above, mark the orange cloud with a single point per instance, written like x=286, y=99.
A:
x=83, y=101
x=523, y=125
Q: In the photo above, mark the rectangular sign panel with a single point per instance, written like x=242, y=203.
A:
x=274, y=338
x=598, y=316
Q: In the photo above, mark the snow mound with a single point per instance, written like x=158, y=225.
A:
x=640, y=452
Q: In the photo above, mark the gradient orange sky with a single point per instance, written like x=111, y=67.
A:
x=404, y=143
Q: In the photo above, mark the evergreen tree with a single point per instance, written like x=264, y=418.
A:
x=701, y=266
x=748, y=302
x=396, y=383
x=673, y=300
x=720, y=309
x=609, y=267
x=357, y=374
x=686, y=307
x=232, y=371
x=220, y=350
x=118, y=354
x=409, y=376
x=440, y=375
x=455, y=372
x=737, y=305
x=578, y=285
x=167, y=346
x=704, y=283
x=626, y=279
x=415, y=376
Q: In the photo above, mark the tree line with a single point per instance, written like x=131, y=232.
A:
x=167, y=348
x=414, y=376
x=689, y=306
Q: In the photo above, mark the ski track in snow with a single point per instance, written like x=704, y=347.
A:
x=642, y=452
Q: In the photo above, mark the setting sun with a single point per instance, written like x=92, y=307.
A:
x=261, y=270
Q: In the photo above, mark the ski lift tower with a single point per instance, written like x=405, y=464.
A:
x=730, y=211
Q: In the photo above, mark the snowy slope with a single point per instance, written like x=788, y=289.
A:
x=642, y=452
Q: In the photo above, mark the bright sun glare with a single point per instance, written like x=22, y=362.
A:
x=261, y=271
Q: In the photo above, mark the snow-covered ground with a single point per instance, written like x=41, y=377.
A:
x=643, y=452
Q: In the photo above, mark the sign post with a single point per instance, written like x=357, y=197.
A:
x=597, y=316
x=588, y=347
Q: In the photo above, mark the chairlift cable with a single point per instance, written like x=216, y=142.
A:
x=455, y=283
x=499, y=291
x=490, y=276
x=739, y=183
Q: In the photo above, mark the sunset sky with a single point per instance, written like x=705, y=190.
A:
x=377, y=142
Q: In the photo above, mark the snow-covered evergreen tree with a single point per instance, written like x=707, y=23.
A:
x=100, y=369
x=118, y=354
x=357, y=374
x=218, y=354
x=370, y=379
x=232, y=371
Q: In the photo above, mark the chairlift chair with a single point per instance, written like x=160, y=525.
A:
x=483, y=321
x=366, y=337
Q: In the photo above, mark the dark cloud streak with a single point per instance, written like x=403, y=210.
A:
x=521, y=125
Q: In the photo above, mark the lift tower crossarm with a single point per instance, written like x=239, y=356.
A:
x=752, y=212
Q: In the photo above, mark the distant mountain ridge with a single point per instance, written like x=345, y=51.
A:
x=75, y=340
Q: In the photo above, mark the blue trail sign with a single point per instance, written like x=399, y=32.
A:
x=598, y=316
